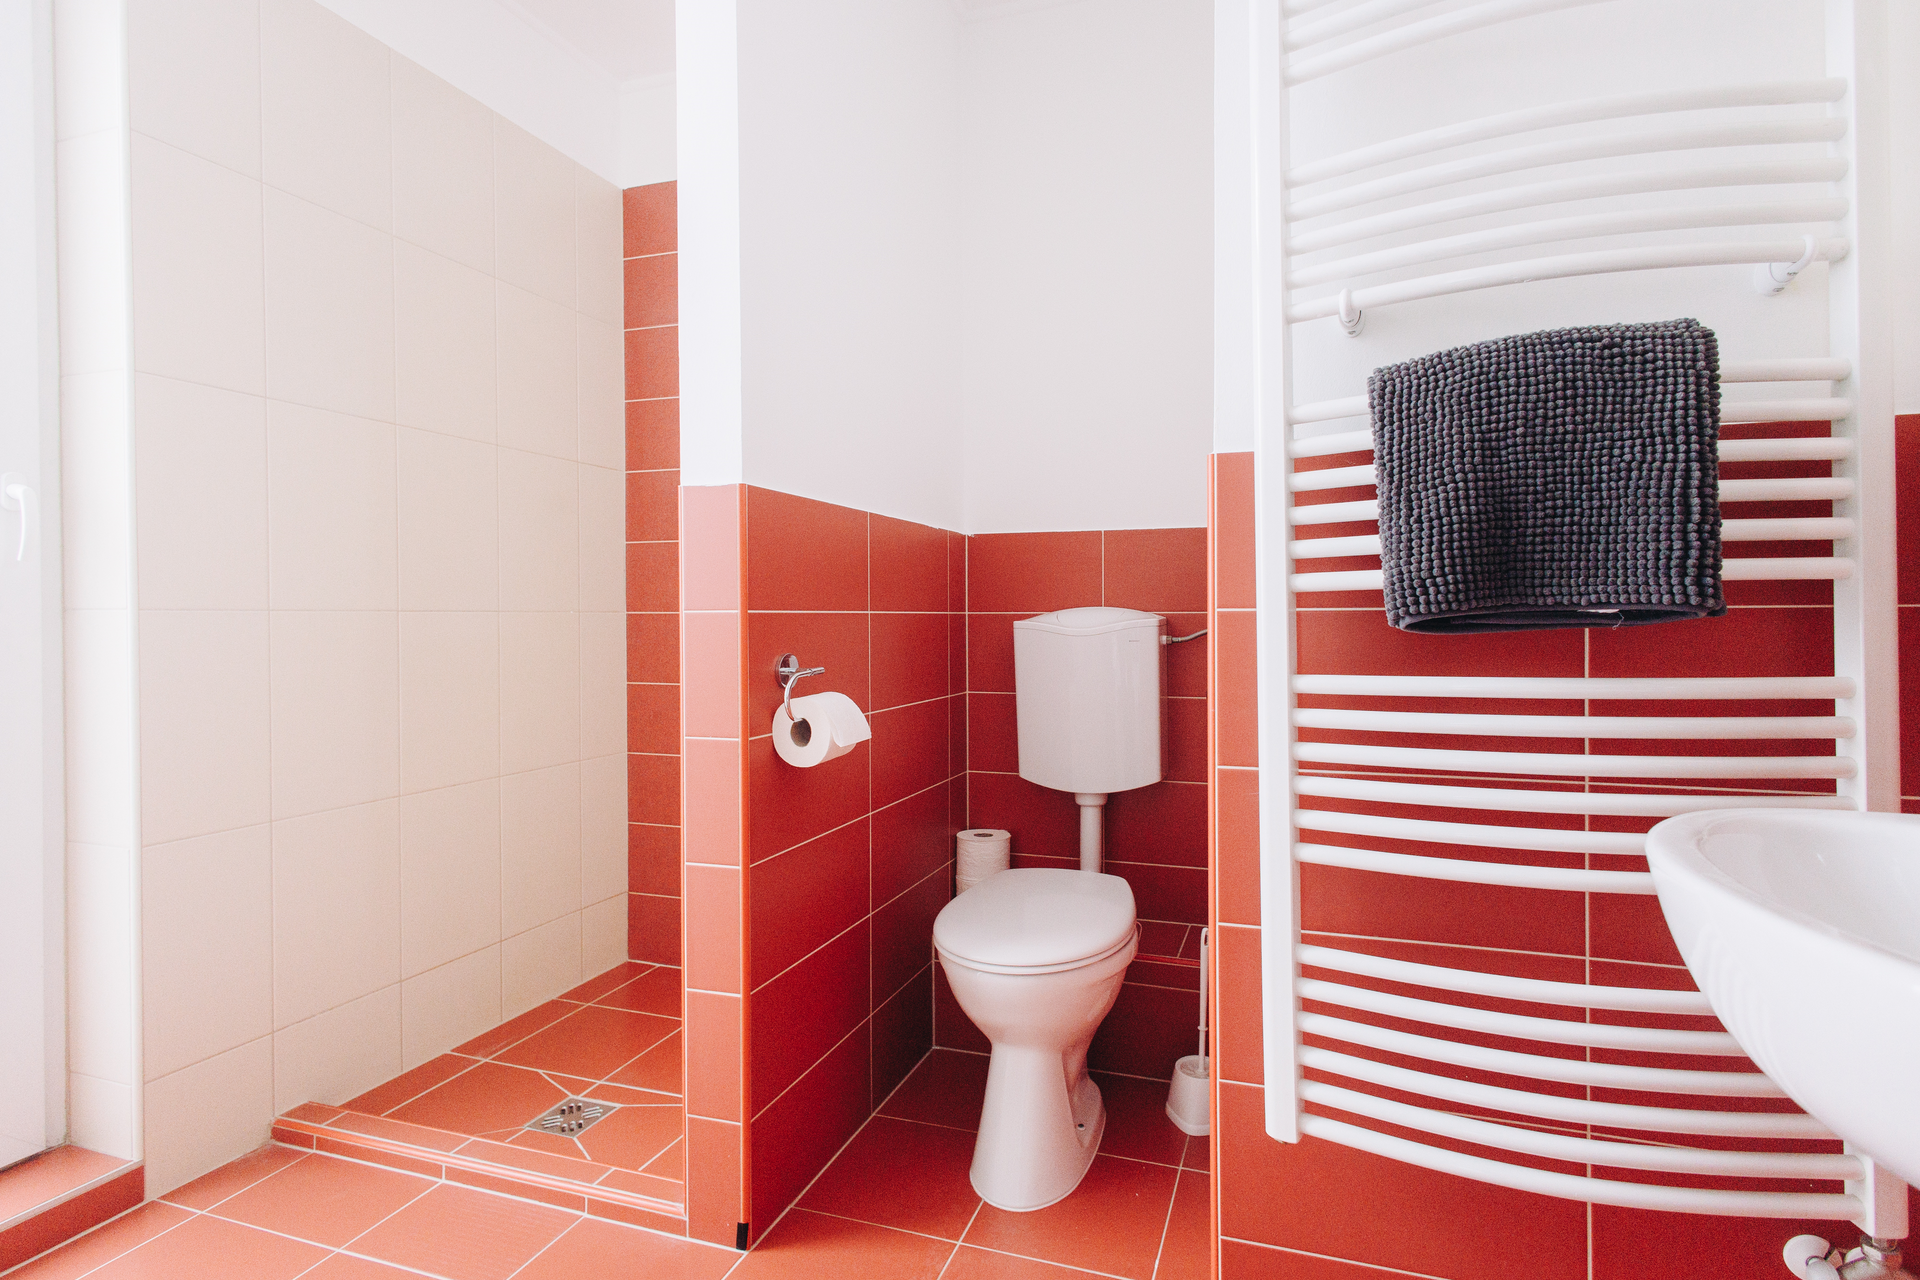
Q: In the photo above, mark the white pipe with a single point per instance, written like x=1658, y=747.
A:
x=1784, y=489
x=1300, y=35
x=1463, y=871
x=1533, y=1066
x=1745, y=728
x=1595, y=1035
x=1637, y=142
x=1744, y=688
x=1549, y=840
x=1560, y=1146
x=1576, y=995
x=1298, y=70
x=1535, y=195
x=1788, y=529
x=1092, y=809
x=1429, y=760
x=1566, y=1186
x=1552, y=1106
x=1584, y=111
x=1566, y=266
x=1517, y=800
x=1749, y=569
x=1776, y=449
x=1758, y=213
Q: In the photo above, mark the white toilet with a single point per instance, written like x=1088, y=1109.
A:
x=1035, y=956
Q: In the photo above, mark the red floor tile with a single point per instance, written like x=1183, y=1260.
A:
x=51, y=1174
x=898, y=1173
x=208, y=1247
x=324, y=1200
x=1187, y=1251
x=632, y=1136
x=405, y=1088
x=233, y=1177
x=656, y=991
x=594, y=1042
x=600, y=984
x=533, y=1140
x=970, y=1263
x=1112, y=1222
x=1137, y=1124
x=946, y=1088
x=592, y=1248
x=515, y=1029
x=671, y=1163
x=464, y=1234
x=627, y=1096
x=87, y=1253
x=485, y=1099
x=342, y=1266
x=812, y=1246
x=1199, y=1153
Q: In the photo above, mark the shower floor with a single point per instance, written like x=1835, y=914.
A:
x=614, y=1040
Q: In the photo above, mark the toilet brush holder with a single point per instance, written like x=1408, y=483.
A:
x=1187, y=1103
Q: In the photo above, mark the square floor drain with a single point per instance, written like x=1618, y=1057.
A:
x=575, y=1115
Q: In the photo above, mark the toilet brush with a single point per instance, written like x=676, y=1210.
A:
x=1187, y=1102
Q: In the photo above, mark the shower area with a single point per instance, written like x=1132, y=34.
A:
x=346, y=634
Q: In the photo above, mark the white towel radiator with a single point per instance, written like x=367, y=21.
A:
x=1593, y=162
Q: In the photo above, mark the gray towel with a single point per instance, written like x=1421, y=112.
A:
x=1566, y=478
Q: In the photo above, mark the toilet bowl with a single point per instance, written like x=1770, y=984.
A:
x=1035, y=957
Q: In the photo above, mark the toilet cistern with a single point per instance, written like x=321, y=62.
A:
x=1087, y=703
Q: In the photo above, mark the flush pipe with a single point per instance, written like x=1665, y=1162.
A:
x=1091, y=803
x=1814, y=1259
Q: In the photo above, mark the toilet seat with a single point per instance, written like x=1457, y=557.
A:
x=1037, y=920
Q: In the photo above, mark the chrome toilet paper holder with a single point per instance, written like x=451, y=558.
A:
x=789, y=672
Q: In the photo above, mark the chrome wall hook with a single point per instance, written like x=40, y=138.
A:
x=789, y=672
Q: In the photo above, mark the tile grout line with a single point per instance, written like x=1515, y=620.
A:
x=1166, y=1225
x=971, y=1219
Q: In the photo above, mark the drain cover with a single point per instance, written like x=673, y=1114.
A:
x=575, y=1115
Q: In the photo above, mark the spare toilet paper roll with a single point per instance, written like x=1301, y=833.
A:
x=823, y=726
x=978, y=854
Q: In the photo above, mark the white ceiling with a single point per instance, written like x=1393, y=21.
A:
x=625, y=38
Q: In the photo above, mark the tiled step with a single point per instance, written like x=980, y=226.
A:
x=582, y=1186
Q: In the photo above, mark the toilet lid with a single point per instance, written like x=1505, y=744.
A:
x=1037, y=917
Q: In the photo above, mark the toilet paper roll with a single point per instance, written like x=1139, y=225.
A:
x=823, y=726
x=980, y=853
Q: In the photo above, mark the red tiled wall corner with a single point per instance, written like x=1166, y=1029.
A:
x=1277, y=1205
x=653, y=598
x=847, y=863
x=1156, y=835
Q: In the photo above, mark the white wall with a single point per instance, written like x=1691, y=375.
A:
x=512, y=62
x=1086, y=181
x=646, y=131
x=952, y=270
x=373, y=426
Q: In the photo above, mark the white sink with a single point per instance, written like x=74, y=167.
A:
x=1802, y=928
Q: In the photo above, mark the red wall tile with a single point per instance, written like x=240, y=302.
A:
x=713, y=940
x=653, y=363
x=649, y=220
x=653, y=647
x=909, y=567
x=796, y=1135
x=1158, y=570
x=653, y=435
x=1032, y=572
x=911, y=840
x=807, y=895
x=802, y=1013
x=653, y=290
x=804, y=555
